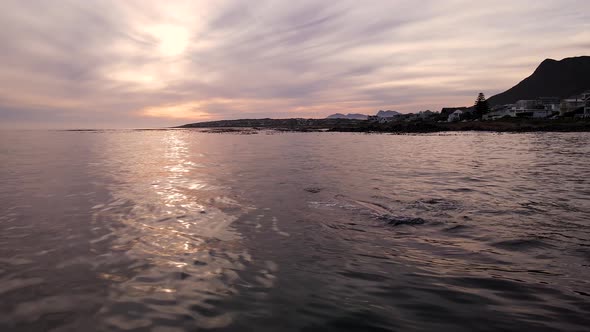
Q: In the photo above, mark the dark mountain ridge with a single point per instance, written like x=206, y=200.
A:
x=552, y=78
x=354, y=116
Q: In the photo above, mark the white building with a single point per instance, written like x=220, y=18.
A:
x=380, y=119
x=455, y=116
x=532, y=109
x=501, y=112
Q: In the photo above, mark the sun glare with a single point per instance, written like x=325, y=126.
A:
x=191, y=110
x=172, y=40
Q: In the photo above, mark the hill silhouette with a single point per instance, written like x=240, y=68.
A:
x=552, y=78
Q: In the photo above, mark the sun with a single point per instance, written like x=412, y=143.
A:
x=172, y=40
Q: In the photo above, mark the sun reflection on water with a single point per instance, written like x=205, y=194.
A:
x=174, y=220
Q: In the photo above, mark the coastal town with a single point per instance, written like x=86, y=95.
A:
x=550, y=108
x=555, y=97
x=525, y=115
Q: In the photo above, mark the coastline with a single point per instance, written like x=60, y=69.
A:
x=514, y=125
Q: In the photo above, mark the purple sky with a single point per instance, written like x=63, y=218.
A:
x=125, y=64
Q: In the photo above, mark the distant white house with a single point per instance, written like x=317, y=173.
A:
x=500, y=112
x=455, y=116
x=375, y=118
x=384, y=116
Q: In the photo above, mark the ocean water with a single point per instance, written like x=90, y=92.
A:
x=183, y=230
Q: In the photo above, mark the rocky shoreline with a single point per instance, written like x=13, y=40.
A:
x=347, y=125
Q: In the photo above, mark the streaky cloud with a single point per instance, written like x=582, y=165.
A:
x=150, y=63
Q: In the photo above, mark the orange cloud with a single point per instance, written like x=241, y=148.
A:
x=190, y=110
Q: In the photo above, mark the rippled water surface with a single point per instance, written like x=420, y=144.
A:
x=184, y=230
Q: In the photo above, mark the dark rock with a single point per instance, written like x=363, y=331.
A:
x=397, y=220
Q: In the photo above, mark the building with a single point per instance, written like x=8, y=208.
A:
x=446, y=111
x=384, y=116
x=572, y=105
x=550, y=103
x=535, y=108
x=455, y=116
x=381, y=119
x=499, y=112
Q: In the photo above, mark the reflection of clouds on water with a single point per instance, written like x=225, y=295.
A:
x=478, y=226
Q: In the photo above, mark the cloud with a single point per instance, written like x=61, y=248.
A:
x=152, y=63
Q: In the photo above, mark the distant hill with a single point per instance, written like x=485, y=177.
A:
x=387, y=114
x=353, y=116
x=357, y=116
x=552, y=78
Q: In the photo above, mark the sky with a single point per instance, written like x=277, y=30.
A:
x=138, y=64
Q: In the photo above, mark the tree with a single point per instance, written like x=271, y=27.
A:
x=481, y=106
